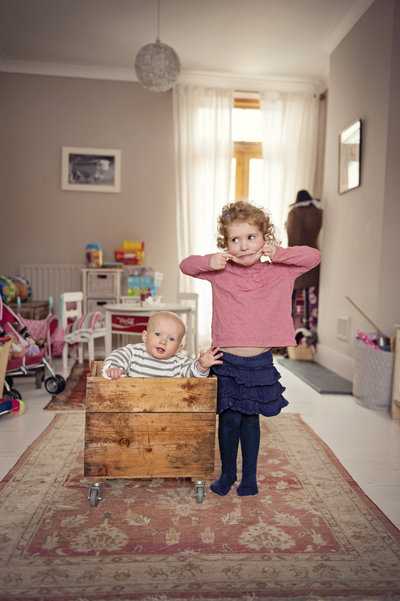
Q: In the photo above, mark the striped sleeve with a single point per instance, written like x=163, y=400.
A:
x=121, y=357
x=137, y=363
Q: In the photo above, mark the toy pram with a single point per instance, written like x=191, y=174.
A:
x=27, y=357
x=149, y=428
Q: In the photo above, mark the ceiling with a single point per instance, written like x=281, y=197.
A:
x=288, y=40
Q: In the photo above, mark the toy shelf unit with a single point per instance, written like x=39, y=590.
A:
x=115, y=285
x=100, y=287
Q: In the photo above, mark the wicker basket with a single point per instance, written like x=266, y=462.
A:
x=301, y=352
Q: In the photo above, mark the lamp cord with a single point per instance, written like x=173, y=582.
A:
x=158, y=21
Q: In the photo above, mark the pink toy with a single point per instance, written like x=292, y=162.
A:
x=365, y=338
x=28, y=357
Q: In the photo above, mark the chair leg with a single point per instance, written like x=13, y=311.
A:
x=65, y=356
x=91, y=349
x=80, y=353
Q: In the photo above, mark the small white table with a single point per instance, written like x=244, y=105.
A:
x=132, y=319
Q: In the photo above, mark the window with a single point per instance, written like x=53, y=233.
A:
x=247, y=164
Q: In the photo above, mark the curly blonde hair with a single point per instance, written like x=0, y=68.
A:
x=245, y=212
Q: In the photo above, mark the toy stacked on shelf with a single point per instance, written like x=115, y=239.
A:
x=142, y=282
x=132, y=253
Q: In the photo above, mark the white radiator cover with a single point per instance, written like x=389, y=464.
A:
x=51, y=280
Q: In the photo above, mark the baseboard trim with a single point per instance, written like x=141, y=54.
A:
x=336, y=362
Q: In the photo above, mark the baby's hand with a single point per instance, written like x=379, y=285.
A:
x=209, y=358
x=219, y=260
x=115, y=372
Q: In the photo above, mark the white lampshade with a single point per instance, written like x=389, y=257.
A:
x=157, y=67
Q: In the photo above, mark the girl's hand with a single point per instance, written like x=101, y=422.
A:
x=219, y=260
x=208, y=358
x=115, y=372
x=268, y=250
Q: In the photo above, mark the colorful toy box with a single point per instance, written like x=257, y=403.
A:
x=132, y=253
x=143, y=281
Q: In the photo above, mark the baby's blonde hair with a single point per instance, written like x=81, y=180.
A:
x=245, y=212
x=167, y=316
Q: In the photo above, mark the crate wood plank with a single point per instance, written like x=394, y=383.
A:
x=149, y=445
x=127, y=395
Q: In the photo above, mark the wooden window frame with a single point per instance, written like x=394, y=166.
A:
x=244, y=152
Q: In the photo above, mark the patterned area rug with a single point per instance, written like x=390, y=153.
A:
x=310, y=533
x=73, y=396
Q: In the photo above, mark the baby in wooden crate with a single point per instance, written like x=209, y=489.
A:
x=159, y=353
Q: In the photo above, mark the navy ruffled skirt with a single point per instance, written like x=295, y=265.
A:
x=249, y=385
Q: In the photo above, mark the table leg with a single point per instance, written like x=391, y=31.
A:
x=108, y=338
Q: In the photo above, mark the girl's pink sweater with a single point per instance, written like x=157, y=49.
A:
x=252, y=305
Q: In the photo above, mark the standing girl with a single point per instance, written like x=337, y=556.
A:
x=251, y=314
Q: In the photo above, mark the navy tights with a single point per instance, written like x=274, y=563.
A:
x=232, y=427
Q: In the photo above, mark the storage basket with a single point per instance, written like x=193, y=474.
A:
x=95, y=304
x=373, y=376
x=301, y=352
x=102, y=284
x=32, y=309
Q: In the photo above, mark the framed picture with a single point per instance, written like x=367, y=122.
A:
x=350, y=157
x=90, y=169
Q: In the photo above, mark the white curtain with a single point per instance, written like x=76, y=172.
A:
x=289, y=142
x=203, y=156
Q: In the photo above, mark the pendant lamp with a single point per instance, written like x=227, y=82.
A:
x=157, y=65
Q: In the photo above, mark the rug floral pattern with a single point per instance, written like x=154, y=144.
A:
x=309, y=534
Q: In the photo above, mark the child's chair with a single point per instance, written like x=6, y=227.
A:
x=191, y=298
x=83, y=330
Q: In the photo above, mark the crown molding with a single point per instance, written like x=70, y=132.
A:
x=253, y=83
x=65, y=70
x=201, y=78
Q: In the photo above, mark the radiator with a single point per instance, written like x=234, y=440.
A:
x=51, y=280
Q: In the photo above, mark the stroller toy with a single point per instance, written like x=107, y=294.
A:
x=26, y=357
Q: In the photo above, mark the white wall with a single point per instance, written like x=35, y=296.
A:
x=40, y=223
x=360, y=242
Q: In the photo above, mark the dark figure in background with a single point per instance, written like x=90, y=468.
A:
x=303, y=225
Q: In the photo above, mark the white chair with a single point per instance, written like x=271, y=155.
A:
x=72, y=308
x=191, y=298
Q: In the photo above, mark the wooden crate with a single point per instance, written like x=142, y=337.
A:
x=149, y=427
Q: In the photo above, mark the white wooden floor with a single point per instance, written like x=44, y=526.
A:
x=366, y=442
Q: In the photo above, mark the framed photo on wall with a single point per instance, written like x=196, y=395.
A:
x=90, y=169
x=350, y=157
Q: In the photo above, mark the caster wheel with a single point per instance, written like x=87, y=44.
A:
x=15, y=394
x=94, y=495
x=199, y=493
x=52, y=385
x=61, y=381
x=9, y=381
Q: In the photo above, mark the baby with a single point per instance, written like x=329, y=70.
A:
x=158, y=355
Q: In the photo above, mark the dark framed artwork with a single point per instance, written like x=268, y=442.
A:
x=90, y=169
